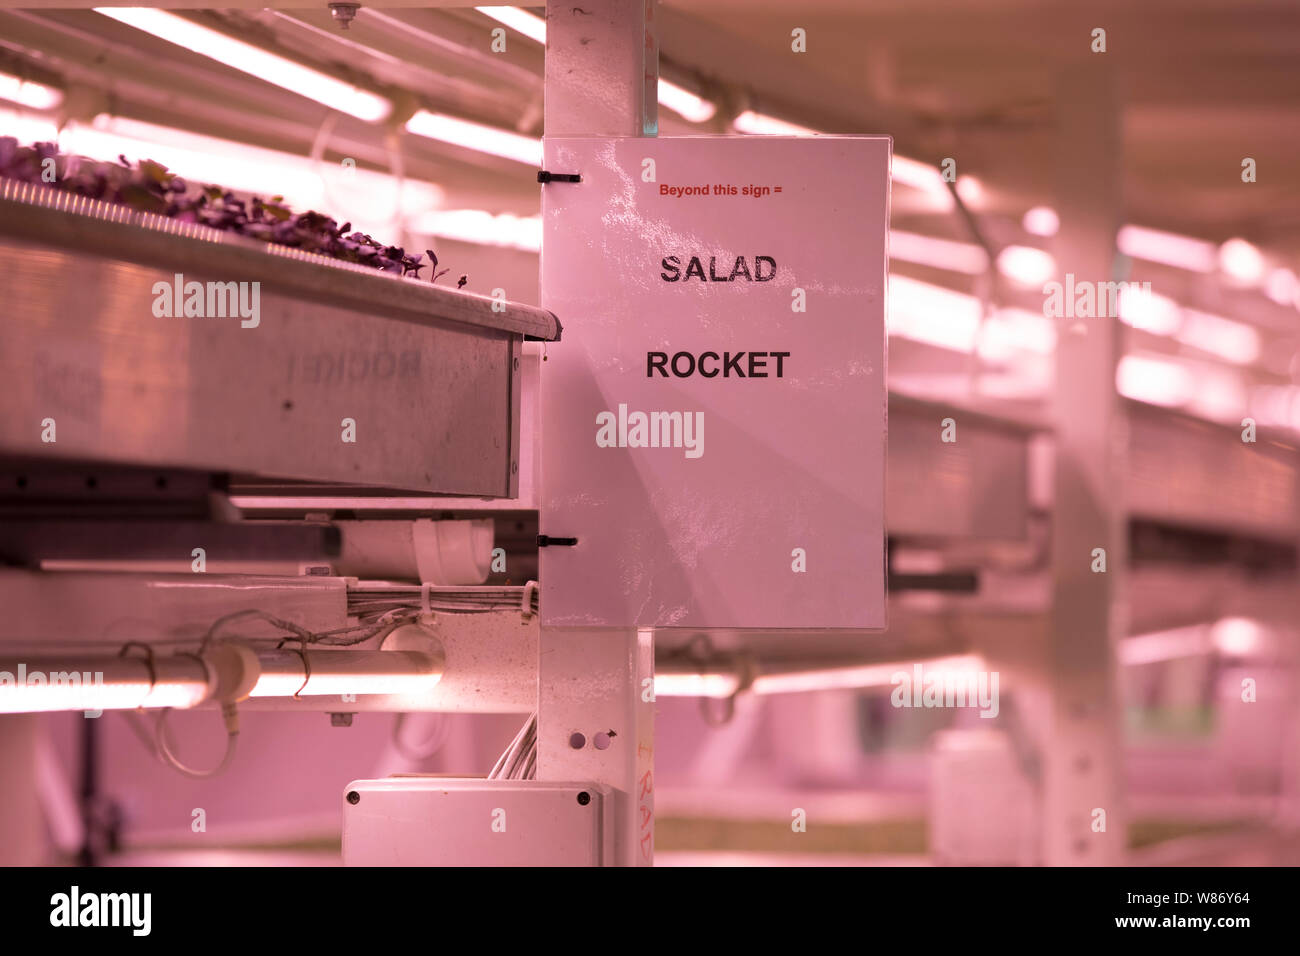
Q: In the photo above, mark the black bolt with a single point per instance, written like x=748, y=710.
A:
x=353, y=797
x=584, y=798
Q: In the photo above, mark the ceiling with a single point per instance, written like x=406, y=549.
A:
x=1202, y=84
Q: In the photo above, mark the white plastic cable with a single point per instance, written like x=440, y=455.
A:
x=527, y=598
x=228, y=712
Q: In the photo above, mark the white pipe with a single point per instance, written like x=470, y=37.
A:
x=48, y=683
x=346, y=672
x=34, y=684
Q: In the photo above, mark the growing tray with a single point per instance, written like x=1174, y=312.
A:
x=424, y=379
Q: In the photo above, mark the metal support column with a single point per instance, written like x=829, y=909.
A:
x=1082, y=785
x=596, y=687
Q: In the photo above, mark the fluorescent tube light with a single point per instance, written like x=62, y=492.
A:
x=530, y=25
x=1149, y=311
x=1041, y=221
x=476, y=136
x=1167, y=248
x=482, y=227
x=943, y=671
x=971, y=191
x=36, y=96
x=684, y=103
x=962, y=257
x=1214, y=335
x=254, y=61
x=1155, y=381
x=761, y=124
x=1010, y=331
x=931, y=314
x=1026, y=265
x=1241, y=261
x=1282, y=287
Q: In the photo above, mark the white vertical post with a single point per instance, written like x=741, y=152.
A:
x=601, y=80
x=597, y=682
x=1082, y=759
x=602, y=68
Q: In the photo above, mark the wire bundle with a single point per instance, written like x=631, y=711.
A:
x=519, y=762
x=370, y=602
x=379, y=608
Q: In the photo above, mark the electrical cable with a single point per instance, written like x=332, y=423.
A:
x=392, y=143
x=165, y=753
x=520, y=757
x=378, y=607
x=519, y=761
x=365, y=601
x=301, y=632
x=232, y=670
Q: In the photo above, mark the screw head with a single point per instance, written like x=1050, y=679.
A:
x=584, y=798
x=344, y=13
x=353, y=797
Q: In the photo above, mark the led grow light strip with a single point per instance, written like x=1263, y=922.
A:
x=116, y=682
x=254, y=61
x=35, y=96
x=476, y=136
x=723, y=684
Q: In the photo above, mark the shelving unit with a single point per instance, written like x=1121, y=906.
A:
x=429, y=376
x=174, y=431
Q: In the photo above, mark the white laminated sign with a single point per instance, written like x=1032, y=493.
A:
x=713, y=420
